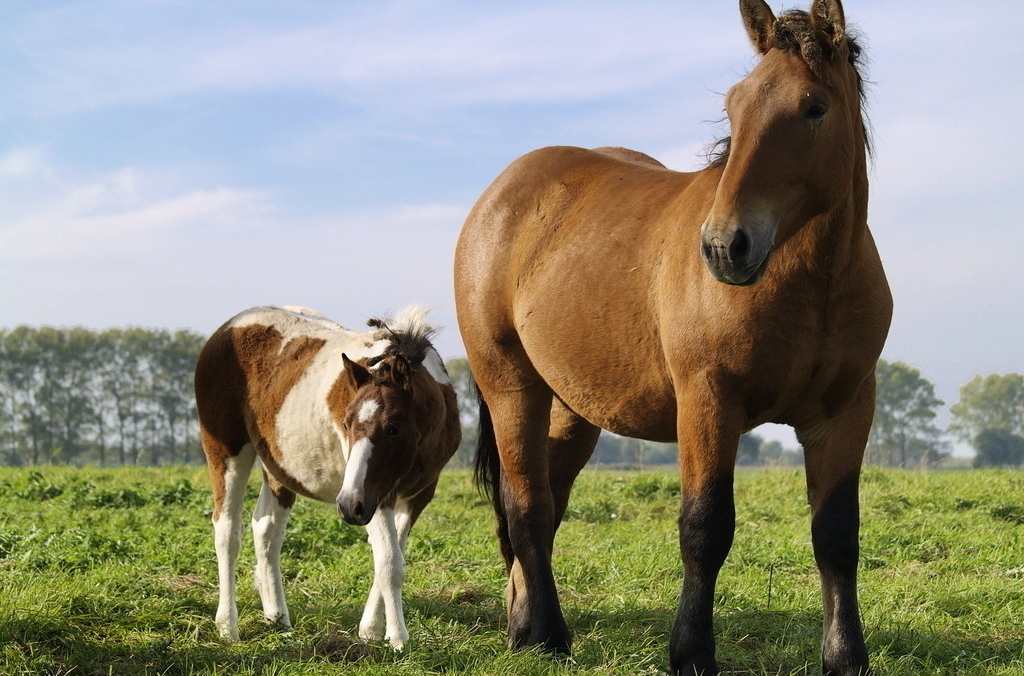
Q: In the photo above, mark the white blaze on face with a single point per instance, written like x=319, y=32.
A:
x=355, y=469
x=368, y=409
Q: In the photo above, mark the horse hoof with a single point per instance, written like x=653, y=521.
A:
x=557, y=642
x=844, y=657
x=832, y=668
x=371, y=632
x=700, y=666
x=278, y=620
x=398, y=642
x=228, y=634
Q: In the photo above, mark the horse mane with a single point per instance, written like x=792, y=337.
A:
x=794, y=32
x=409, y=335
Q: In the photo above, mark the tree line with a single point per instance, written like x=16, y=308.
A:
x=124, y=396
x=989, y=417
x=121, y=396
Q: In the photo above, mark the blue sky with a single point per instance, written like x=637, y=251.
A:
x=169, y=163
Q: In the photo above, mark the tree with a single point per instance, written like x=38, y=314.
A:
x=69, y=395
x=904, y=432
x=749, y=451
x=998, y=448
x=469, y=408
x=992, y=402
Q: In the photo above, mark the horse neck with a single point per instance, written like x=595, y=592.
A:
x=830, y=243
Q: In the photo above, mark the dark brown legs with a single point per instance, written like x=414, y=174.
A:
x=520, y=425
x=708, y=437
x=542, y=446
x=834, y=451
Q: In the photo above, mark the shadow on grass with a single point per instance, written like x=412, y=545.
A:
x=749, y=641
x=132, y=645
x=755, y=641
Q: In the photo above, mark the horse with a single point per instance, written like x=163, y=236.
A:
x=598, y=289
x=363, y=419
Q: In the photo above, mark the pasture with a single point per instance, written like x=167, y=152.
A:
x=113, y=571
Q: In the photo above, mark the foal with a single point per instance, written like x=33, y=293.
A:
x=363, y=419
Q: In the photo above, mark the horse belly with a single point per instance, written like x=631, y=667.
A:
x=618, y=385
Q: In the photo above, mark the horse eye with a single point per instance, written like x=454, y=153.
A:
x=391, y=429
x=816, y=111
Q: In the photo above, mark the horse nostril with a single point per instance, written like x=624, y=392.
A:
x=740, y=246
x=357, y=510
x=705, y=249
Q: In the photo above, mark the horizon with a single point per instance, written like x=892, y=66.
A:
x=165, y=171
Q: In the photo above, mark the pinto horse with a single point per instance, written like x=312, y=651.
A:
x=597, y=289
x=363, y=419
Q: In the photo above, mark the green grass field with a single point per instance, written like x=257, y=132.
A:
x=113, y=571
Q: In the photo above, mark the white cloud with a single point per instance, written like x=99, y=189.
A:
x=128, y=210
x=22, y=163
x=543, y=54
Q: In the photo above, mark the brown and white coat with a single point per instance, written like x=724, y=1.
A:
x=292, y=388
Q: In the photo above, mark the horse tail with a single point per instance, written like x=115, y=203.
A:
x=487, y=475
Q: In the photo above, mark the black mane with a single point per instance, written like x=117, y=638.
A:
x=409, y=343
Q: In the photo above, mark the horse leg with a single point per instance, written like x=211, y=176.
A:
x=708, y=432
x=571, y=441
x=269, y=520
x=388, y=575
x=229, y=475
x=521, y=419
x=833, y=451
x=407, y=511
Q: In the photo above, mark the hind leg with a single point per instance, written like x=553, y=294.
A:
x=228, y=474
x=571, y=441
x=269, y=520
x=520, y=419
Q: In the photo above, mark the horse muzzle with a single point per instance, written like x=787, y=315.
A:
x=356, y=508
x=734, y=255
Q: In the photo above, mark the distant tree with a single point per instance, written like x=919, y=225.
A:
x=998, y=448
x=469, y=409
x=992, y=402
x=904, y=433
x=749, y=451
x=70, y=395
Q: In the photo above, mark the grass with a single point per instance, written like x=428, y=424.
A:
x=113, y=571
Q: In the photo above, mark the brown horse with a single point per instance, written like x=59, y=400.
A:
x=372, y=435
x=597, y=289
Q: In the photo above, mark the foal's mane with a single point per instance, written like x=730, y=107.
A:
x=795, y=33
x=409, y=336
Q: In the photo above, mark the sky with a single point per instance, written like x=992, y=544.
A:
x=171, y=163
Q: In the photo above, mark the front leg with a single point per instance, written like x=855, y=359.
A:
x=709, y=428
x=833, y=451
x=371, y=626
x=388, y=575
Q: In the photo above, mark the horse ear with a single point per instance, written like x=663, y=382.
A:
x=828, y=17
x=759, y=21
x=358, y=375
